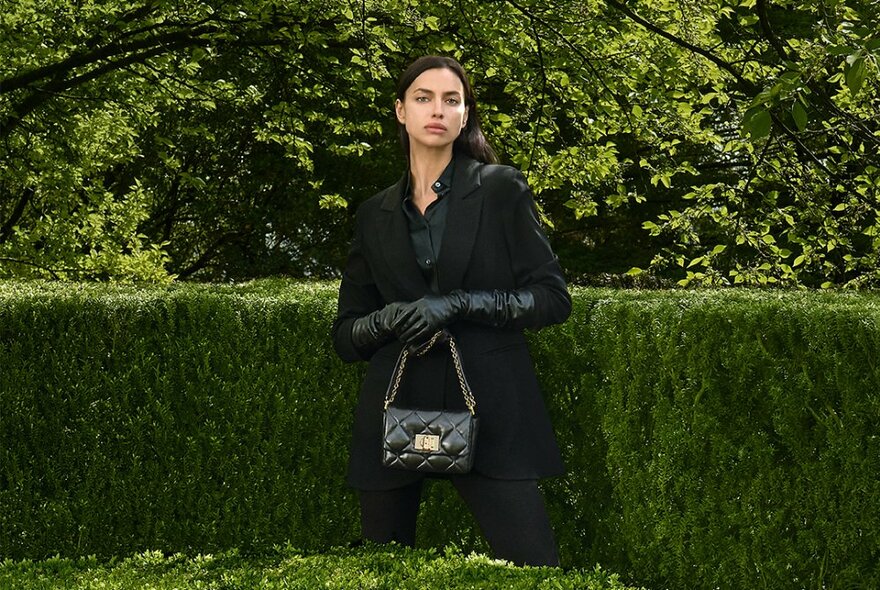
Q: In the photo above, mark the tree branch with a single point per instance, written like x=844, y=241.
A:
x=84, y=59
x=40, y=96
x=745, y=85
x=620, y=100
x=768, y=31
x=210, y=252
x=6, y=230
x=29, y=263
x=543, y=97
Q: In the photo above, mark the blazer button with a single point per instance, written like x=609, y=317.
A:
x=429, y=262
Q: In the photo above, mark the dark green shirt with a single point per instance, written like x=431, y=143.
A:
x=426, y=231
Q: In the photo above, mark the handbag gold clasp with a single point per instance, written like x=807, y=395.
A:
x=427, y=442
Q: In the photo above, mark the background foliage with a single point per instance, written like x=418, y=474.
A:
x=717, y=142
x=713, y=439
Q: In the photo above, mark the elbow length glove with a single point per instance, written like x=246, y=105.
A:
x=370, y=332
x=420, y=319
x=502, y=309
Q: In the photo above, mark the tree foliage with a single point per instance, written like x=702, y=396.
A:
x=719, y=142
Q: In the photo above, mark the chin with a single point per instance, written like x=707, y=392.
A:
x=434, y=144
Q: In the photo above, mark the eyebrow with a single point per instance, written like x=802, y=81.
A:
x=447, y=93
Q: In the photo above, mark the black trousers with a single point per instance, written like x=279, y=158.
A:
x=510, y=513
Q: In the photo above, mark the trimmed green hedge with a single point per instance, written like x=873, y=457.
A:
x=363, y=569
x=184, y=418
x=713, y=438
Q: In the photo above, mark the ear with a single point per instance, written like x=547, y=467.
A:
x=400, y=111
x=465, y=118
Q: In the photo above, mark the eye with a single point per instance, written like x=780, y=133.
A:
x=421, y=99
x=453, y=100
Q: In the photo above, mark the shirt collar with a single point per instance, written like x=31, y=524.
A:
x=441, y=186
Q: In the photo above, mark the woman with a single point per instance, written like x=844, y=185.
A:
x=455, y=244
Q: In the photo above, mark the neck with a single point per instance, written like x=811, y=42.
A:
x=425, y=166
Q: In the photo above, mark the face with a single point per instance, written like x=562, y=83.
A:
x=433, y=109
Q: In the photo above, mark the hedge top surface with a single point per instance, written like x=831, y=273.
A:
x=281, y=289
x=368, y=568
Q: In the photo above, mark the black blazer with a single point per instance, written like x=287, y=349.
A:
x=492, y=240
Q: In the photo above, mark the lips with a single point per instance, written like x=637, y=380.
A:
x=435, y=127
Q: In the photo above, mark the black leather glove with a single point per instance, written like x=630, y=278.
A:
x=375, y=329
x=502, y=309
x=422, y=318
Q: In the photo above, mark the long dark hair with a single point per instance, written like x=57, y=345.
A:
x=471, y=140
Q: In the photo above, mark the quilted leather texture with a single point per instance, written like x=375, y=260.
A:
x=457, y=432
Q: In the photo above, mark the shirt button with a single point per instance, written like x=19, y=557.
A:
x=437, y=184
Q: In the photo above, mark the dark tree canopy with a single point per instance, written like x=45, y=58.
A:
x=721, y=142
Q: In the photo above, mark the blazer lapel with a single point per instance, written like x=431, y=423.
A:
x=462, y=223
x=396, y=243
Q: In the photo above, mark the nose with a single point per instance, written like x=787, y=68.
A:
x=438, y=108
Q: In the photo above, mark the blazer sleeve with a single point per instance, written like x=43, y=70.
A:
x=536, y=268
x=358, y=295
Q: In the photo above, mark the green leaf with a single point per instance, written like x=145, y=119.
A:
x=332, y=201
x=799, y=114
x=758, y=125
x=504, y=120
x=839, y=49
x=855, y=75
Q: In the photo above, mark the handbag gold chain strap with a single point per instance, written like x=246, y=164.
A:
x=456, y=360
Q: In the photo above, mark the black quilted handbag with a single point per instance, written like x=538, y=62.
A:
x=436, y=441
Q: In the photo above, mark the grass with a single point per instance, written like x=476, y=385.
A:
x=366, y=568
